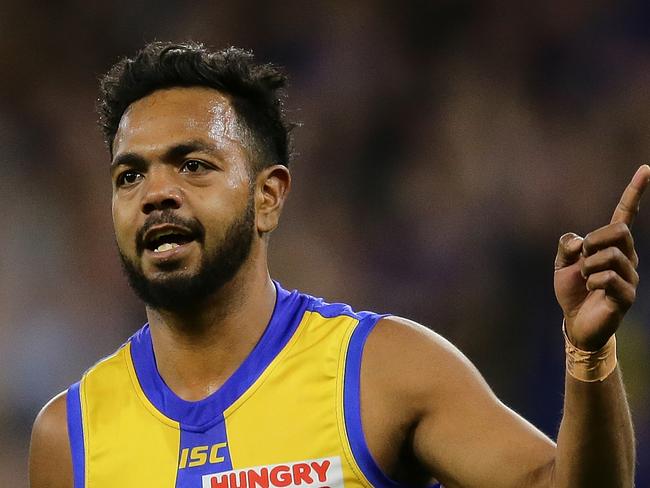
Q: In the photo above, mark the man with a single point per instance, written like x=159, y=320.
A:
x=235, y=382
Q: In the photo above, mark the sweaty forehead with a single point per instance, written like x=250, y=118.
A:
x=176, y=114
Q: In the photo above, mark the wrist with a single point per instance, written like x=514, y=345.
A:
x=590, y=366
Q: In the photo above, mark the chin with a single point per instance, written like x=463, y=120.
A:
x=162, y=274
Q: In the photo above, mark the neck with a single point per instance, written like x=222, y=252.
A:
x=197, y=350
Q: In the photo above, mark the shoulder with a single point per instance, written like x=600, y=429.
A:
x=50, y=461
x=51, y=423
x=409, y=375
x=437, y=402
x=408, y=358
x=418, y=371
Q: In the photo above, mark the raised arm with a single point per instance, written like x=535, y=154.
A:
x=595, y=284
x=421, y=394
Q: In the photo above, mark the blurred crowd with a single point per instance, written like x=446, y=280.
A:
x=444, y=147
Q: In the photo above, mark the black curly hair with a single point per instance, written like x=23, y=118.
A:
x=255, y=91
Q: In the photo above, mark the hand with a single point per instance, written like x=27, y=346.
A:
x=595, y=277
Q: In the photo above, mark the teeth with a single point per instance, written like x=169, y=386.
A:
x=166, y=247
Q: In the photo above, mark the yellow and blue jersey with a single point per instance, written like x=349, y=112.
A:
x=289, y=416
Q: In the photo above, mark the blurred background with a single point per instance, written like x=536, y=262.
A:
x=444, y=147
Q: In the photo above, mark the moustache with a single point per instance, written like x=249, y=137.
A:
x=196, y=229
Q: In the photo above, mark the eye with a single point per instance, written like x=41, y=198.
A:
x=127, y=178
x=194, y=166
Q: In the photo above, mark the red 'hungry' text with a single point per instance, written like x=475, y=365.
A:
x=279, y=476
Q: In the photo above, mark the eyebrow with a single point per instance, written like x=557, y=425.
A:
x=172, y=153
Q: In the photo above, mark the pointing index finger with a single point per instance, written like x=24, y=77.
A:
x=628, y=206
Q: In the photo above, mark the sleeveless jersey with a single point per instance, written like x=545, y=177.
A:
x=289, y=416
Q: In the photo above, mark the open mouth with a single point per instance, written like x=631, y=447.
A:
x=166, y=238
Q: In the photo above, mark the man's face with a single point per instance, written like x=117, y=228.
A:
x=183, y=206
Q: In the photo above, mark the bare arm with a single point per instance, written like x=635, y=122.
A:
x=459, y=432
x=595, y=284
x=596, y=441
x=50, y=461
x=465, y=437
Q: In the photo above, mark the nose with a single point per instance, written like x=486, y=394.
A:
x=161, y=192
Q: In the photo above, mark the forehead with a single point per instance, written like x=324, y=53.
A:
x=173, y=115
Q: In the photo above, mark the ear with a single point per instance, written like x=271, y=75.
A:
x=272, y=187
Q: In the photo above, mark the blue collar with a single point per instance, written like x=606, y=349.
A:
x=201, y=415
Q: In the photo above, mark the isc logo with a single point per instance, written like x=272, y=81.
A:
x=199, y=455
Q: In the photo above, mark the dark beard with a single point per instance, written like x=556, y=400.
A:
x=184, y=293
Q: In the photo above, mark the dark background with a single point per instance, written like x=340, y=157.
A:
x=444, y=147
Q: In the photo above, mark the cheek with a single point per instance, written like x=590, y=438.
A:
x=123, y=227
x=226, y=199
x=218, y=214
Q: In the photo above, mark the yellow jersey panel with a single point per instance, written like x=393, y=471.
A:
x=298, y=395
x=112, y=412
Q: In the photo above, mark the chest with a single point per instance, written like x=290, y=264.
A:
x=279, y=423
